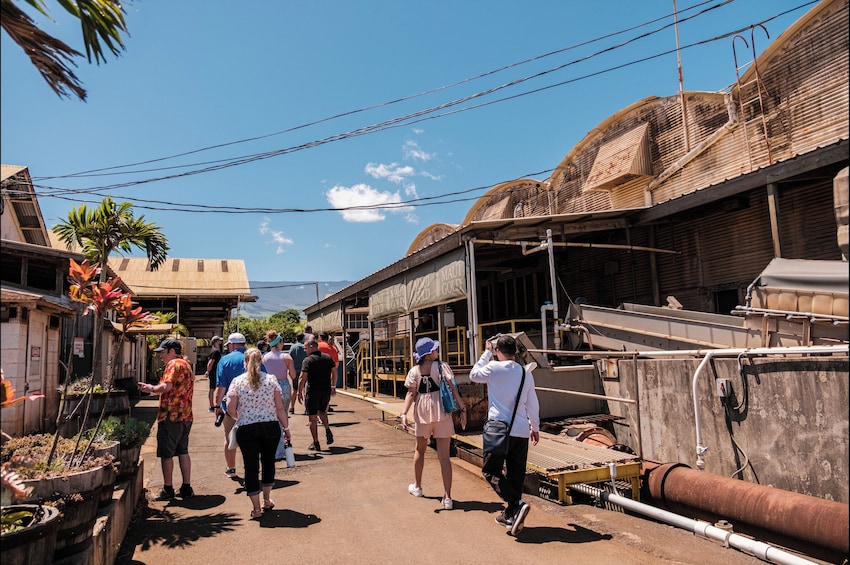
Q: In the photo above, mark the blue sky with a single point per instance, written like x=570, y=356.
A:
x=199, y=79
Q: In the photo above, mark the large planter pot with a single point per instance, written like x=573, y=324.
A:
x=128, y=460
x=34, y=544
x=70, y=483
x=117, y=403
x=77, y=495
x=78, y=514
x=113, y=449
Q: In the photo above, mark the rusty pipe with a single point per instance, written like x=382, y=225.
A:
x=763, y=551
x=806, y=518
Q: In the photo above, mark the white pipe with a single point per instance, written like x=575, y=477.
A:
x=556, y=336
x=473, y=299
x=763, y=551
x=700, y=448
x=543, y=309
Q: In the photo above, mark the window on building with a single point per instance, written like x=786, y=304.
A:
x=357, y=321
x=11, y=268
x=726, y=300
x=41, y=275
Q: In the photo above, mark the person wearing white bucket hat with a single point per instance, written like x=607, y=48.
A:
x=423, y=392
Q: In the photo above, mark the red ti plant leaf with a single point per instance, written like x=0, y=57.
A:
x=132, y=317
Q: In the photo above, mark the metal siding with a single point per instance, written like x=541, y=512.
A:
x=806, y=107
x=807, y=226
x=720, y=248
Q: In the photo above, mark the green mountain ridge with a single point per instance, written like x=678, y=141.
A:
x=277, y=296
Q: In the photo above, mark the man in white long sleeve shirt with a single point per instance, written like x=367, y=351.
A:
x=506, y=473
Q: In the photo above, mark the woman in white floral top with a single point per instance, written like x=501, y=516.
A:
x=254, y=400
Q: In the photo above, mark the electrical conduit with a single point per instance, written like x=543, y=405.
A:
x=710, y=354
x=763, y=551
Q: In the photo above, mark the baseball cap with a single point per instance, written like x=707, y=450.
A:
x=172, y=344
x=236, y=337
x=216, y=338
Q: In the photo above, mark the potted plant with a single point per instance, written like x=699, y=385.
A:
x=72, y=481
x=70, y=474
x=27, y=531
x=130, y=435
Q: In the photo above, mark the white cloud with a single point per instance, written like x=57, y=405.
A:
x=277, y=237
x=411, y=150
x=392, y=172
x=363, y=196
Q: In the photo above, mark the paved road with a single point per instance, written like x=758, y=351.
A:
x=349, y=504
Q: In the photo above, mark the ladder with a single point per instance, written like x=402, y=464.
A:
x=756, y=94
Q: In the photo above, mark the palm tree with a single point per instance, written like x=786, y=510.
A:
x=111, y=227
x=101, y=22
x=102, y=230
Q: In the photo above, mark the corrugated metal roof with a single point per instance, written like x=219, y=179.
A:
x=20, y=196
x=7, y=171
x=153, y=329
x=184, y=277
x=11, y=296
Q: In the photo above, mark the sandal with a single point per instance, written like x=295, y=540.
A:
x=256, y=514
x=268, y=505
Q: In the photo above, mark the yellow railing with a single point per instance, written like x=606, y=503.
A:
x=489, y=329
x=393, y=357
x=392, y=362
x=454, y=350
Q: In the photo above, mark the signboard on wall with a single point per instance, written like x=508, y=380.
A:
x=78, y=347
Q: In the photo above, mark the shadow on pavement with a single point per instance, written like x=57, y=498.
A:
x=337, y=450
x=198, y=502
x=164, y=527
x=278, y=484
x=578, y=534
x=287, y=519
x=469, y=506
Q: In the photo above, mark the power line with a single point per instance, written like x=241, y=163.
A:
x=391, y=102
x=205, y=208
x=403, y=121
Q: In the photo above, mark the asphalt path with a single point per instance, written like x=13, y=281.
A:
x=349, y=504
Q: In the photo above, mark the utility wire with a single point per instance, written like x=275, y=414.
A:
x=396, y=101
x=412, y=202
x=403, y=121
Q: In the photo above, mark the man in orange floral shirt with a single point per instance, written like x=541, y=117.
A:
x=174, y=419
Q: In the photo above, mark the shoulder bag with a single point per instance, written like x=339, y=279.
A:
x=496, y=432
x=446, y=396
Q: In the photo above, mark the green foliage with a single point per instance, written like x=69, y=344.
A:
x=287, y=318
x=287, y=323
x=14, y=519
x=102, y=24
x=131, y=433
x=36, y=449
x=112, y=226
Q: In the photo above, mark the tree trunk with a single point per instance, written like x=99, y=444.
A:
x=97, y=351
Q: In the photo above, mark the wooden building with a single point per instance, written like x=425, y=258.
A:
x=649, y=234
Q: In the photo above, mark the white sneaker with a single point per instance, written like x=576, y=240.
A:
x=414, y=490
x=447, y=503
x=519, y=518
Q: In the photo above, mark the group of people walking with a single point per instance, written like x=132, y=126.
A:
x=252, y=391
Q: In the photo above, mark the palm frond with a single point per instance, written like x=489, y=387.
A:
x=50, y=56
